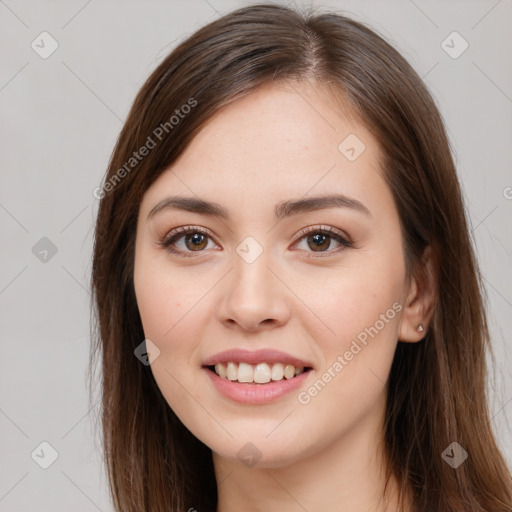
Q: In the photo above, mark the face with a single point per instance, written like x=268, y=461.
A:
x=319, y=286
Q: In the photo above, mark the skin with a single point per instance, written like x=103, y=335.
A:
x=281, y=143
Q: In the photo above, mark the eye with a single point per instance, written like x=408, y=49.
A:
x=195, y=240
x=320, y=238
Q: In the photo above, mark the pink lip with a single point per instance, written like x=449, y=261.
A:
x=247, y=393
x=255, y=357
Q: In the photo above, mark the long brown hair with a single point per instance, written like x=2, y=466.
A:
x=437, y=387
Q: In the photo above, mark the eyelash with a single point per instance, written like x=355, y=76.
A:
x=176, y=234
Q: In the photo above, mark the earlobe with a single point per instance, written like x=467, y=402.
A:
x=420, y=303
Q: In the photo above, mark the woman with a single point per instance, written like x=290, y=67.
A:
x=289, y=309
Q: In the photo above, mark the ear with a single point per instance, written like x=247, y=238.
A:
x=421, y=299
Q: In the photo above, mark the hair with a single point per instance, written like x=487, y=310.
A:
x=437, y=387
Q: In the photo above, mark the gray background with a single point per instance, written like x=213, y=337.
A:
x=61, y=118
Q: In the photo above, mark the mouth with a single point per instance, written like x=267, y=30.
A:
x=257, y=377
x=257, y=374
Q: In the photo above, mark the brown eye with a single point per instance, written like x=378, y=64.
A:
x=194, y=240
x=319, y=240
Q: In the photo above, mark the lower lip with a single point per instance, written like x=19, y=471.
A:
x=250, y=393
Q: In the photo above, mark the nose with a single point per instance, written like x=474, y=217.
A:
x=254, y=297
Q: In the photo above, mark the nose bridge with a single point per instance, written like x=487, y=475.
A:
x=251, y=276
x=253, y=293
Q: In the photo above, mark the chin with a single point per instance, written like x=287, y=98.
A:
x=263, y=452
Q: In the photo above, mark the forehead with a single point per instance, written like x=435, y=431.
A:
x=277, y=123
x=279, y=142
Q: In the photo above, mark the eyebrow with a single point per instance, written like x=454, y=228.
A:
x=282, y=209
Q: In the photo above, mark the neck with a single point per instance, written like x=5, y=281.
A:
x=345, y=475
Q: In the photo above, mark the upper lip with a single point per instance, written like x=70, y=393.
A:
x=255, y=357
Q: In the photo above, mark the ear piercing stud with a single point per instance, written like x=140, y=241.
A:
x=420, y=328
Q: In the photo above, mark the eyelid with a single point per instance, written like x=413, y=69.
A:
x=339, y=236
x=176, y=233
x=186, y=229
x=323, y=229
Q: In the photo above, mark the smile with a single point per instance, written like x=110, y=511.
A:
x=261, y=373
x=256, y=377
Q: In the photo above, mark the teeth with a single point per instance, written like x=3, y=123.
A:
x=221, y=370
x=277, y=371
x=260, y=373
x=289, y=371
x=232, y=371
x=245, y=373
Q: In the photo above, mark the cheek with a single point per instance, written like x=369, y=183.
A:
x=362, y=314
x=358, y=296
x=165, y=299
x=169, y=307
x=156, y=300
